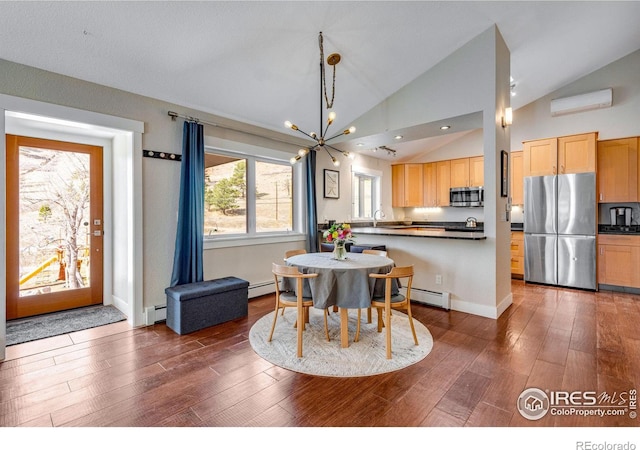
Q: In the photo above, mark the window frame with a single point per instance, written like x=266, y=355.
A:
x=376, y=193
x=262, y=237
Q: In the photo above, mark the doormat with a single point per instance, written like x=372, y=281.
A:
x=33, y=328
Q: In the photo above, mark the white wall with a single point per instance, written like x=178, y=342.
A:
x=160, y=178
x=534, y=120
x=474, y=78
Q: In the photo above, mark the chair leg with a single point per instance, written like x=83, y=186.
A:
x=273, y=326
x=357, y=338
x=326, y=325
x=380, y=324
x=387, y=319
x=369, y=314
x=413, y=330
x=300, y=328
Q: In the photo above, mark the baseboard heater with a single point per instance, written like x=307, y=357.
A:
x=431, y=298
x=261, y=288
x=155, y=314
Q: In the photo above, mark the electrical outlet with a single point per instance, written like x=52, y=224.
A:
x=438, y=279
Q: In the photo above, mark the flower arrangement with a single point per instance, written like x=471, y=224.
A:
x=338, y=232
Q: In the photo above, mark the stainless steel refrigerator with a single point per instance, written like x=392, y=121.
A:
x=560, y=230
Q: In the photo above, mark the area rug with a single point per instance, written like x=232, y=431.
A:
x=319, y=357
x=54, y=324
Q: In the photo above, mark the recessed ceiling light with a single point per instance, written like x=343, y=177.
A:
x=445, y=127
x=399, y=136
x=359, y=144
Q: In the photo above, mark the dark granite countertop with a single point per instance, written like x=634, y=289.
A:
x=424, y=231
x=633, y=230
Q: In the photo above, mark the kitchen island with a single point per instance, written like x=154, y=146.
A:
x=428, y=231
x=446, y=259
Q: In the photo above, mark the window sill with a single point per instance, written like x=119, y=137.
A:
x=245, y=241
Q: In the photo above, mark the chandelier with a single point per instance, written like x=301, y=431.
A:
x=320, y=141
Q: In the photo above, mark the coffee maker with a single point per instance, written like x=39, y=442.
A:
x=620, y=216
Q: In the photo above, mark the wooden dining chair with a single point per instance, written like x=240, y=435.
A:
x=388, y=302
x=370, y=251
x=294, y=252
x=294, y=299
x=289, y=254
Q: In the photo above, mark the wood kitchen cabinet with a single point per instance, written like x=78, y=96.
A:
x=540, y=157
x=443, y=176
x=517, y=179
x=430, y=177
x=459, y=172
x=567, y=154
x=466, y=172
x=618, y=168
x=476, y=171
x=577, y=154
x=407, y=185
x=618, y=260
x=517, y=254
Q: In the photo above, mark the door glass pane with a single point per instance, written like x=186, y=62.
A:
x=274, y=199
x=54, y=220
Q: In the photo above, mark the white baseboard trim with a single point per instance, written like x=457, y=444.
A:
x=122, y=306
x=158, y=313
x=491, y=312
x=261, y=288
x=431, y=298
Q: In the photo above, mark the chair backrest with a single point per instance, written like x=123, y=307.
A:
x=370, y=251
x=289, y=272
x=280, y=271
x=297, y=251
x=405, y=272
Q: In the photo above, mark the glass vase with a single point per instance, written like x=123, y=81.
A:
x=339, y=250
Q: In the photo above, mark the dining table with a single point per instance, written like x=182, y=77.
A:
x=342, y=283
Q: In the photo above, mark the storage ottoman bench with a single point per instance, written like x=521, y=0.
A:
x=194, y=306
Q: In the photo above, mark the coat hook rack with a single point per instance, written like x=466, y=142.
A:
x=161, y=155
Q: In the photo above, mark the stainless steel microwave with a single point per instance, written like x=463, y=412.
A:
x=466, y=196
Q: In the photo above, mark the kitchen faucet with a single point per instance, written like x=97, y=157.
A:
x=382, y=216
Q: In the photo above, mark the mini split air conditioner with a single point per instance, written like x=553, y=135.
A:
x=583, y=102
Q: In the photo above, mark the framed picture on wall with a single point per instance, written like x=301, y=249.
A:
x=331, y=183
x=504, y=171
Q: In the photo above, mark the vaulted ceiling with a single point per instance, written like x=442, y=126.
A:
x=258, y=62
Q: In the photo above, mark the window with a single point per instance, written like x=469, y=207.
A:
x=365, y=192
x=246, y=195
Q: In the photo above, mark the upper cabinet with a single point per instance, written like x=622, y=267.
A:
x=407, y=185
x=577, y=154
x=476, y=171
x=517, y=180
x=443, y=177
x=618, y=167
x=430, y=176
x=540, y=157
x=466, y=172
x=568, y=154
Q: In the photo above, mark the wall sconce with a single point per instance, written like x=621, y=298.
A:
x=507, y=119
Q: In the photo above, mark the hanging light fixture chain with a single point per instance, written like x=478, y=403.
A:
x=324, y=81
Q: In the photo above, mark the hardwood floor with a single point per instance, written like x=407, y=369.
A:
x=551, y=338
